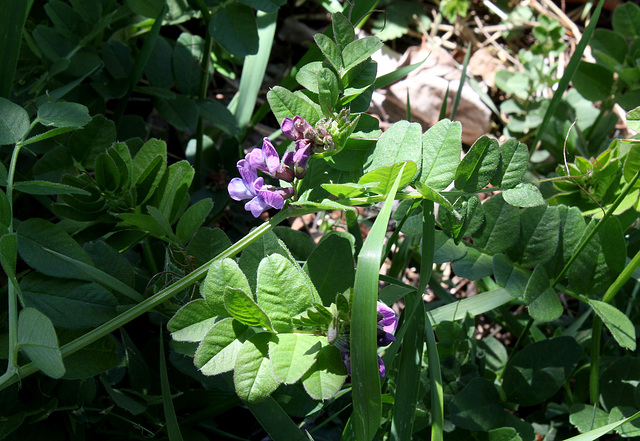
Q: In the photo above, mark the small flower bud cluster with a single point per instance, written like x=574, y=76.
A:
x=293, y=166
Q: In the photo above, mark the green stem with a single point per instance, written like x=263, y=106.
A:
x=596, y=328
x=147, y=305
x=625, y=191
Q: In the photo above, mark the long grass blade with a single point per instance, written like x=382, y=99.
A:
x=367, y=401
x=463, y=78
x=571, y=69
x=276, y=421
x=473, y=305
x=173, y=428
x=255, y=66
x=12, y=19
x=408, y=379
x=435, y=378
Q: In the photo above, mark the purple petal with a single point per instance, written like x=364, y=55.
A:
x=247, y=172
x=385, y=339
x=288, y=128
x=301, y=156
x=389, y=320
x=381, y=367
x=303, y=127
x=256, y=206
x=238, y=190
x=255, y=159
x=271, y=158
x=272, y=198
x=287, y=159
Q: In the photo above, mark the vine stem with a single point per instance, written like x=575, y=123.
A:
x=15, y=374
x=12, y=290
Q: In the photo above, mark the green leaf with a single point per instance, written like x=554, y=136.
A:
x=599, y=432
x=474, y=265
x=441, y=148
x=501, y=226
x=626, y=20
x=445, y=250
x=47, y=188
x=346, y=191
x=251, y=257
x=477, y=407
x=478, y=166
x=330, y=50
x=192, y=322
x=432, y=195
x=617, y=322
x=192, y=219
x=514, y=158
x=181, y=111
x=121, y=156
x=37, y=339
x=285, y=104
x=63, y=114
x=593, y=81
x=538, y=236
x=539, y=370
x=35, y=234
x=632, y=161
x=386, y=176
x=619, y=382
x=401, y=142
x=633, y=120
x=331, y=267
x=299, y=243
x=276, y=421
x=264, y=5
x=219, y=115
x=358, y=51
x=630, y=429
x=12, y=22
x=218, y=350
x=292, y=355
x=523, y=195
x=541, y=298
x=307, y=76
x=107, y=173
x=70, y=304
x=326, y=376
x=587, y=417
x=252, y=374
x=14, y=122
x=283, y=291
x=510, y=277
x=146, y=8
x=171, y=195
x=234, y=27
x=221, y=274
x=187, y=53
x=91, y=360
x=9, y=255
x=94, y=138
x=328, y=89
x=144, y=222
x=206, y=244
x=241, y=306
x=342, y=30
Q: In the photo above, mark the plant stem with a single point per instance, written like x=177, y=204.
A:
x=148, y=304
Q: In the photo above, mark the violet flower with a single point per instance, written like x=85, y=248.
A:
x=252, y=187
x=298, y=159
x=268, y=161
x=387, y=323
x=297, y=128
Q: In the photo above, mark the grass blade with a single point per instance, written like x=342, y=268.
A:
x=367, y=401
x=255, y=66
x=473, y=305
x=275, y=421
x=601, y=431
x=408, y=379
x=463, y=78
x=571, y=69
x=173, y=428
x=435, y=378
x=12, y=20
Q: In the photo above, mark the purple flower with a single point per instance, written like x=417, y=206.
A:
x=387, y=323
x=298, y=159
x=297, y=128
x=268, y=161
x=252, y=187
x=346, y=357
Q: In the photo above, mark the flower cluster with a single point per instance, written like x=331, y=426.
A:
x=293, y=166
x=386, y=326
